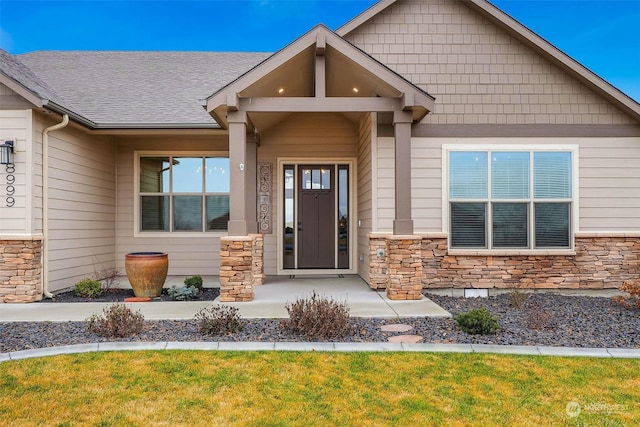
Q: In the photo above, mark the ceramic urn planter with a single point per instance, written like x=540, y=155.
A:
x=147, y=272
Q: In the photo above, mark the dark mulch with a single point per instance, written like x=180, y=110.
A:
x=574, y=321
x=118, y=295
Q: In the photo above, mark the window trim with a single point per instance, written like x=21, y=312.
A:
x=136, y=194
x=535, y=146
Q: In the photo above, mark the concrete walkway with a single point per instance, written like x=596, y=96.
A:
x=269, y=302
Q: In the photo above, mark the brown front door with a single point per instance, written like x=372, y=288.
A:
x=316, y=216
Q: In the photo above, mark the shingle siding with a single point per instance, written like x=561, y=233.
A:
x=478, y=73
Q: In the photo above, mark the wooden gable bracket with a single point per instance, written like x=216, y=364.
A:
x=320, y=77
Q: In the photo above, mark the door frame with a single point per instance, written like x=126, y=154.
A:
x=353, y=204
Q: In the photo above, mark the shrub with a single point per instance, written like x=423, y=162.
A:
x=317, y=318
x=477, y=321
x=194, y=282
x=88, y=288
x=632, y=288
x=517, y=297
x=182, y=293
x=538, y=317
x=218, y=320
x=116, y=321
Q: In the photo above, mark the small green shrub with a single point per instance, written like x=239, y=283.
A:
x=116, y=321
x=182, y=293
x=218, y=320
x=317, y=318
x=88, y=288
x=477, y=321
x=194, y=282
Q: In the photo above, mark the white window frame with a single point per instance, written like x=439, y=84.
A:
x=136, y=195
x=524, y=147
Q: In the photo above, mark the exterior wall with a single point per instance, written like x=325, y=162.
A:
x=190, y=254
x=478, y=73
x=18, y=219
x=608, y=181
x=82, y=189
x=599, y=262
x=319, y=136
x=365, y=191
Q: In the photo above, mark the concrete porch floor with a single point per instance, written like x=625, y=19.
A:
x=269, y=302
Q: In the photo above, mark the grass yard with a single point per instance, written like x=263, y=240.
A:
x=189, y=388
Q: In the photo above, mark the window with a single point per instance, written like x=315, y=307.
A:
x=510, y=199
x=183, y=193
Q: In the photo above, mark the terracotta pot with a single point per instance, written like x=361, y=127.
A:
x=147, y=272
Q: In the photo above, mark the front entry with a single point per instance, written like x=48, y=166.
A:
x=316, y=216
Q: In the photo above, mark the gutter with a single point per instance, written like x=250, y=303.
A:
x=45, y=202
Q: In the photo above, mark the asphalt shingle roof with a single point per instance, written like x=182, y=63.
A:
x=128, y=88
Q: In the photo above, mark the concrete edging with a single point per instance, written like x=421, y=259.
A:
x=618, y=353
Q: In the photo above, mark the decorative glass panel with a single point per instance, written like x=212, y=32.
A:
x=217, y=212
x=154, y=174
x=468, y=225
x=343, y=217
x=289, y=218
x=187, y=213
x=510, y=225
x=187, y=174
x=154, y=213
x=217, y=175
x=467, y=175
x=509, y=175
x=552, y=225
x=552, y=175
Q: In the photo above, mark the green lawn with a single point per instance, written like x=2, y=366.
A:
x=188, y=388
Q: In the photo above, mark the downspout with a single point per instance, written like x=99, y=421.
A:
x=45, y=202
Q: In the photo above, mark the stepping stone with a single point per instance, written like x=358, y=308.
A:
x=396, y=328
x=412, y=339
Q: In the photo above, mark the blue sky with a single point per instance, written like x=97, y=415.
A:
x=601, y=34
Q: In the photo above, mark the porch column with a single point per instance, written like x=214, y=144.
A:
x=251, y=188
x=237, y=225
x=402, y=224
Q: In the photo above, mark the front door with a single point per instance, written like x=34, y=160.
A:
x=316, y=218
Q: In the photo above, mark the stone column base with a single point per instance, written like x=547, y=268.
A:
x=404, y=267
x=241, y=267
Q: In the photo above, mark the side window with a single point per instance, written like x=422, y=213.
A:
x=183, y=193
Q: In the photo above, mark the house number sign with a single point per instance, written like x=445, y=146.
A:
x=10, y=185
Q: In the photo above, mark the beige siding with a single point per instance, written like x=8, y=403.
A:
x=608, y=181
x=17, y=125
x=197, y=254
x=82, y=189
x=318, y=136
x=365, y=198
x=478, y=73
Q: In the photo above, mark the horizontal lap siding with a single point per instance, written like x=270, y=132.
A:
x=609, y=184
x=478, y=73
x=16, y=125
x=364, y=186
x=318, y=136
x=187, y=255
x=82, y=190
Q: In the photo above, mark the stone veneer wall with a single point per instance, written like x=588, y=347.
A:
x=241, y=267
x=20, y=270
x=600, y=262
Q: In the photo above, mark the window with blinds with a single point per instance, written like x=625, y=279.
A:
x=510, y=199
x=183, y=193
